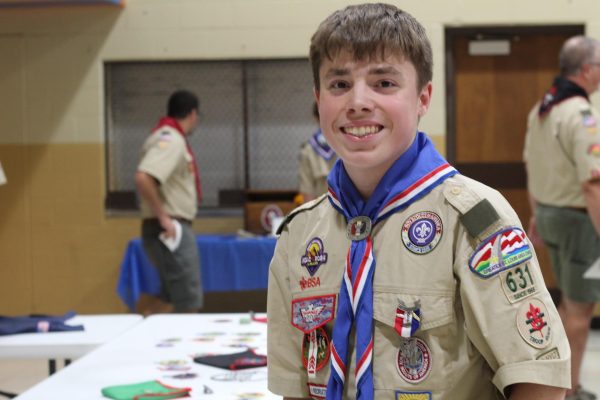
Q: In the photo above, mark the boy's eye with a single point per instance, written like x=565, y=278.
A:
x=386, y=84
x=339, y=85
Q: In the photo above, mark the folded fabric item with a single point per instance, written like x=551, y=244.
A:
x=241, y=360
x=145, y=390
x=37, y=323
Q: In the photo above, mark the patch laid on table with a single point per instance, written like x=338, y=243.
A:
x=401, y=395
x=503, y=250
x=310, y=313
x=314, y=256
x=532, y=322
x=413, y=360
x=518, y=283
x=317, y=391
x=422, y=231
x=315, y=351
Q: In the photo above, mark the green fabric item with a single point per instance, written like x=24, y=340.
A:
x=478, y=218
x=144, y=390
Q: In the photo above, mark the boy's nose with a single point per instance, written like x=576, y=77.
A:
x=359, y=100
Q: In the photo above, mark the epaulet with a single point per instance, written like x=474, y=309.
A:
x=304, y=207
x=477, y=214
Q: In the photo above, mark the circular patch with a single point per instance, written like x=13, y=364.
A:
x=268, y=213
x=322, y=349
x=532, y=322
x=413, y=360
x=422, y=231
x=358, y=228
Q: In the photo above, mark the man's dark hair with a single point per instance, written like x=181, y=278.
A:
x=181, y=104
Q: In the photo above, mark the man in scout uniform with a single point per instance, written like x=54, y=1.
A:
x=316, y=160
x=423, y=283
x=562, y=154
x=168, y=183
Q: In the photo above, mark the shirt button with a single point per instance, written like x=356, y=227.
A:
x=455, y=190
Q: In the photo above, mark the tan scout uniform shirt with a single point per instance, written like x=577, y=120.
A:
x=313, y=171
x=562, y=150
x=165, y=157
x=478, y=331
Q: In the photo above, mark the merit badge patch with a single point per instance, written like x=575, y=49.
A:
x=314, y=256
x=503, y=250
x=594, y=150
x=317, y=391
x=518, y=283
x=422, y=231
x=400, y=395
x=413, y=361
x=310, y=313
x=532, y=322
x=315, y=351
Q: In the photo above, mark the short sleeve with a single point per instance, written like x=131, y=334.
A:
x=162, y=155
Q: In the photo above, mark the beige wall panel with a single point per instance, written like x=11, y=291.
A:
x=11, y=89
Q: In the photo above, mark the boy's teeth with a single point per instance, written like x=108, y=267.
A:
x=361, y=130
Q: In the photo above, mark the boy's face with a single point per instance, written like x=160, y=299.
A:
x=369, y=110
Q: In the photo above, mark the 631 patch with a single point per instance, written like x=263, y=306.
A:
x=310, y=313
x=518, y=283
x=400, y=395
x=502, y=250
x=532, y=323
x=422, y=231
x=413, y=360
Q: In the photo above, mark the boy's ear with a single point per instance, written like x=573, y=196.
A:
x=425, y=98
x=317, y=94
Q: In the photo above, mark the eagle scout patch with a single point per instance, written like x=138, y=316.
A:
x=400, y=395
x=532, y=322
x=317, y=391
x=413, y=360
x=310, y=313
x=518, y=283
x=422, y=231
x=314, y=256
x=503, y=250
x=315, y=350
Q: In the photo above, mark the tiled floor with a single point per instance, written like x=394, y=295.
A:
x=18, y=375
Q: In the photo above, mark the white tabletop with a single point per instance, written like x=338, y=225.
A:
x=140, y=353
x=98, y=329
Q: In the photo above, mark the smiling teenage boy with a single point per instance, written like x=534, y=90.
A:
x=407, y=280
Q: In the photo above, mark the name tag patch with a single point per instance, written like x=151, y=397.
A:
x=503, y=250
x=310, y=313
x=317, y=391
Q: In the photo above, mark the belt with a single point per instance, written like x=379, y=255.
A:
x=180, y=219
x=578, y=209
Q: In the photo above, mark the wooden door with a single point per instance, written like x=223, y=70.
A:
x=489, y=98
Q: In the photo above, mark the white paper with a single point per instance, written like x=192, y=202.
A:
x=2, y=176
x=172, y=243
x=594, y=271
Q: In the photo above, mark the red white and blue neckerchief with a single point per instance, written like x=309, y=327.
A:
x=320, y=146
x=412, y=176
x=172, y=122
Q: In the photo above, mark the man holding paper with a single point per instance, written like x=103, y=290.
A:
x=169, y=186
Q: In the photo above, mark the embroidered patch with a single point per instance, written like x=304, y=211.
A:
x=317, y=391
x=588, y=120
x=594, y=150
x=551, y=354
x=267, y=214
x=413, y=360
x=401, y=395
x=311, y=282
x=503, y=250
x=166, y=136
x=314, y=257
x=317, y=359
x=532, y=323
x=310, y=313
x=422, y=231
x=518, y=283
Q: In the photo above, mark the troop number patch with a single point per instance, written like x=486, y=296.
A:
x=518, y=283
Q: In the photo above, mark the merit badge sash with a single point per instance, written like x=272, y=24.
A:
x=420, y=169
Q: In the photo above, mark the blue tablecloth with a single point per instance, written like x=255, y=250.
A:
x=228, y=263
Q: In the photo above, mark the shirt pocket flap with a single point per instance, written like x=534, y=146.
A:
x=436, y=309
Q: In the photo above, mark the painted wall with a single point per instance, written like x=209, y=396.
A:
x=58, y=248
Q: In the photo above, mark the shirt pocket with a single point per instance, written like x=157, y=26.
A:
x=419, y=361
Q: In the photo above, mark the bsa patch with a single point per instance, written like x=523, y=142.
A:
x=422, y=231
x=551, y=354
x=315, y=256
x=413, y=360
x=594, y=150
x=317, y=391
x=401, y=395
x=310, y=313
x=517, y=283
x=532, y=322
x=315, y=351
x=311, y=282
x=503, y=250
x=267, y=214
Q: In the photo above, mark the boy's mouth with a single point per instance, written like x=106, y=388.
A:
x=362, y=131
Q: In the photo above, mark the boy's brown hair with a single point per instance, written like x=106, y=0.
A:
x=372, y=31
